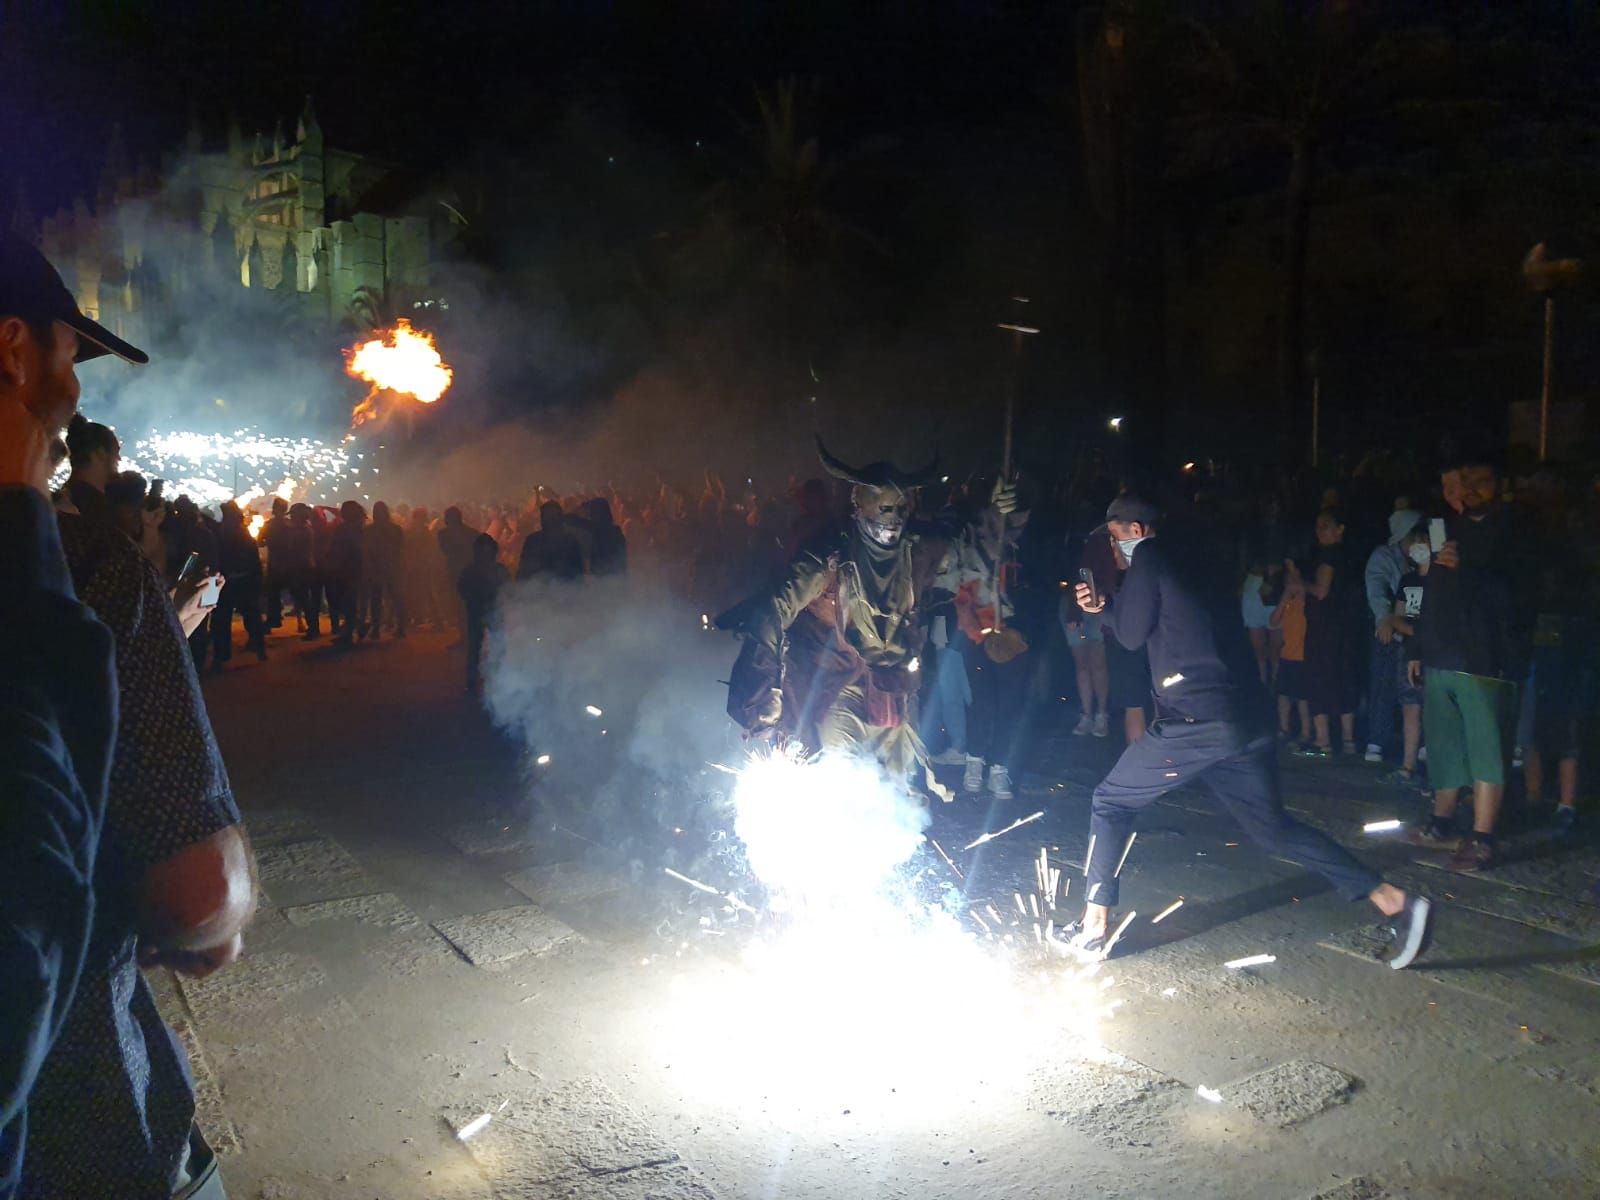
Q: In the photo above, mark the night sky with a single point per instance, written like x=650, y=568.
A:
x=958, y=173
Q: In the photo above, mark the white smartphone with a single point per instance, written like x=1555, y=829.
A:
x=1436, y=534
x=211, y=591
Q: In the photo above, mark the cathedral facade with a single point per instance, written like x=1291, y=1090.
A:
x=340, y=239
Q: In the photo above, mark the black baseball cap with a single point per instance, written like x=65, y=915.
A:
x=30, y=287
x=1131, y=508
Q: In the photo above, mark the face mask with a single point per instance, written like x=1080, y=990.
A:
x=1128, y=546
x=1420, y=554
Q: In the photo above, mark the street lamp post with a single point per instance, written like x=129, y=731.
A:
x=1545, y=275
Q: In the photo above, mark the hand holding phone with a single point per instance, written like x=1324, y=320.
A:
x=210, y=591
x=1436, y=534
x=1086, y=577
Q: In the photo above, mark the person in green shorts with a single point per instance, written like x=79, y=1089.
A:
x=1471, y=648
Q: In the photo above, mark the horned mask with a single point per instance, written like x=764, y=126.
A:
x=881, y=496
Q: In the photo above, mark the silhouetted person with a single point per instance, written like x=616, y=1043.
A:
x=554, y=552
x=344, y=569
x=608, y=548
x=385, y=546
x=291, y=561
x=95, y=455
x=278, y=574
x=241, y=566
x=455, y=543
x=478, y=585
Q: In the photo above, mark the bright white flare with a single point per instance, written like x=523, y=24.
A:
x=1382, y=826
x=1254, y=960
x=1211, y=1094
x=474, y=1127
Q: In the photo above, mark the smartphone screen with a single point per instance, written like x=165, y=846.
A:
x=1436, y=534
x=211, y=591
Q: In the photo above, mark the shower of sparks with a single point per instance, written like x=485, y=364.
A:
x=1381, y=826
x=948, y=861
x=474, y=1127
x=989, y=837
x=856, y=937
x=244, y=466
x=707, y=888
x=1167, y=911
x=1254, y=960
x=1125, y=851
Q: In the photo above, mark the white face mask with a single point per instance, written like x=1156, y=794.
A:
x=1420, y=554
x=1128, y=546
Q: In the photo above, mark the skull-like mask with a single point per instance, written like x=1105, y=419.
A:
x=881, y=513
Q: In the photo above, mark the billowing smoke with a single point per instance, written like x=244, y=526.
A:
x=613, y=688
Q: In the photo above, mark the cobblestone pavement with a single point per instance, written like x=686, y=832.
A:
x=423, y=960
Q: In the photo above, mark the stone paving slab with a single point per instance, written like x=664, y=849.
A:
x=1564, y=873
x=1290, y=1092
x=411, y=952
x=209, y=1112
x=493, y=938
x=280, y=825
x=256, y=983
x=317, y=861
x=493, y=835
x=382, y=909
x=579, y=1133
x=1362, y=1187
x=1115, y=1100
x=565, y=883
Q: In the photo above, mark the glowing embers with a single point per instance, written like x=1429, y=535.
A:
x=403, y=361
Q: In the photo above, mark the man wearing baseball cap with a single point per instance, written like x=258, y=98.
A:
x=1213, y=724
x=58, y=708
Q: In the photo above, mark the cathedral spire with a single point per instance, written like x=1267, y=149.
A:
x=307, y=128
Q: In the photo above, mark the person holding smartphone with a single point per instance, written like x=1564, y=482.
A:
x=1213, y=725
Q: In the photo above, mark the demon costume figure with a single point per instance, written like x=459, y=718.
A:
x=830, y=655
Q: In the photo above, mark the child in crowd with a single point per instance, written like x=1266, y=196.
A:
x=1289, y=619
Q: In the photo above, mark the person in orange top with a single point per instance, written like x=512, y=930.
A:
x=1290, y=618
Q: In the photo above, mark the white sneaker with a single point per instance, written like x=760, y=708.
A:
x=1084, y=726
x=972, y=781
x=950, y=758
x=1102, y=725
x=1374, y=752
x=999, y=782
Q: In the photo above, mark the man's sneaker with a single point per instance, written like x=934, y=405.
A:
x=1323, y=752
x=950, y=758
x=1413, y=931
x=999, y=782
x=1374, y=753
x=1102, y=725
x=972, y=781
x=1083, y=946
x=1562, y=824
x=1437, y=834
x=1476, y=853
x=1084, y=726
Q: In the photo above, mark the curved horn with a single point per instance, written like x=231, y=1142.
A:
x=836, y=467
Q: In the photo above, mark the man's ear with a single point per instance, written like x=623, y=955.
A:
x=15, y=359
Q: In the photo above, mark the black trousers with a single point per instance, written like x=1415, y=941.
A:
x=241, y=595
x=477, y=632
x=1241, y=771
x=378, y=590
x=999, y=692
x=276, y=582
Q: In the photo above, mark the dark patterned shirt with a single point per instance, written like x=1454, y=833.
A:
x=114, y=1102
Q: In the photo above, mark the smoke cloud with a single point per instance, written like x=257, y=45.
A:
x=614, y=689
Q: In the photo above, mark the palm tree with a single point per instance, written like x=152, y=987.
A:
x=1293, y=80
